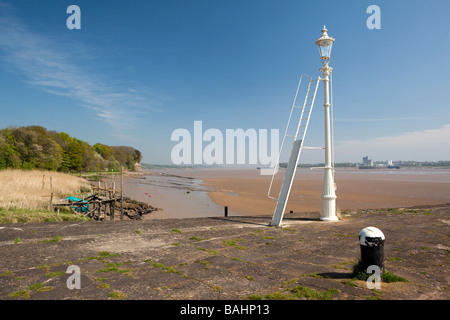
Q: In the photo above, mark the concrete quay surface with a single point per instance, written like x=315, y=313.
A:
x=225, y=258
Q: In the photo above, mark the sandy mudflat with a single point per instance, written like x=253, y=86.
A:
x=244, y=191
x=177, y=196
x=204, y=192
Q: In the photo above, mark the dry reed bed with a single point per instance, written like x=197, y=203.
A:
x=22, y=189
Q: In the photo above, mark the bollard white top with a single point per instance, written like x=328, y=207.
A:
x=369, y=232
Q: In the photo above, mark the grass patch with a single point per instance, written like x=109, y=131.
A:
x=19, y=215
x=35, y=286
x=309, y=293
x=176, y=230
x=45, y=288
x=272, y=296
x=117, y=295
x=54, y=239
x=349, y=283
x=205, y=263
x=167, y=269
x=20, y=294
x=298, y=292
x=107, y=254
x=390, y=277
x=289, y=281
x=234, y=244
x=394, y=211
x=217, y=288
x=342, y=264
x=196, y=239
x=54, y=274
x=114, y=267
x=361, y=274
x=376, y=296
x=100, y=279
x=210, y=251
x=395, y=259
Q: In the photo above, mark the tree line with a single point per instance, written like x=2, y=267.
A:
x=35, y=147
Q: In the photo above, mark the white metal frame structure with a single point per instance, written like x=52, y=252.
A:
x=299, y=138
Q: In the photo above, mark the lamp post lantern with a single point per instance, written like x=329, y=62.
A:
x=325, y=43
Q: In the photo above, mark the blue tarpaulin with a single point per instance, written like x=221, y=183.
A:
x=83, y=208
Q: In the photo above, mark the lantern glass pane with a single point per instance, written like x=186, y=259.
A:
x=325, y=49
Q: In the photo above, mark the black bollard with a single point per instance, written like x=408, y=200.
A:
x=371, y=241
x=226, y=211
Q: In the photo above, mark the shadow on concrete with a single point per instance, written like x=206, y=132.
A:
x=336, y=275
x=301, y=219
x=247, y=220
x=267, y=219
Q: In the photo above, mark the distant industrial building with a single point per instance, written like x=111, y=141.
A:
x=367, y=162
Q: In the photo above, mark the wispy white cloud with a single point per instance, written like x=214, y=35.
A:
x=44, y=64
x=357, y=120
x=431, y=144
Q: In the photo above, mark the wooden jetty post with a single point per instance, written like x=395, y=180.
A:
x=51, y=194
x=121, y=195
x=113, y=202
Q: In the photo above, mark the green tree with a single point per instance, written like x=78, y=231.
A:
x=11, y=157
x=105, y=151
x=65, y=163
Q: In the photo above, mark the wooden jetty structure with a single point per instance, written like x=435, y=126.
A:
x=99, y=204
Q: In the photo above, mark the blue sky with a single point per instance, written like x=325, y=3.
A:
x=138, y=70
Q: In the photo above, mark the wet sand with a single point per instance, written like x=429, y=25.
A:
x=177, y=196
x=205, y=192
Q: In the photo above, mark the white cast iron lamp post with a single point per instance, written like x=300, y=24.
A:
x=325, y=43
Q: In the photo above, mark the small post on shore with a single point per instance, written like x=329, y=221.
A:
x=113, y=203
x=51, y=194
x=121, y=195
x=226, y=211
x=99, y=209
